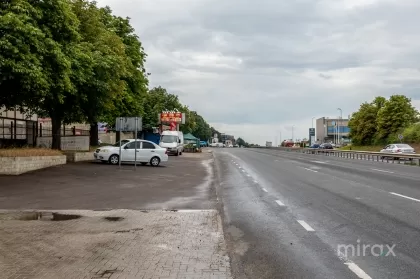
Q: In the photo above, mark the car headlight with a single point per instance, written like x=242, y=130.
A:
x=104, y=151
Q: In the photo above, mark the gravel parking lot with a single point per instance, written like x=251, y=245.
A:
x=182, y=183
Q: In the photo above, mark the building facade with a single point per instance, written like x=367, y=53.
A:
x=327, y=130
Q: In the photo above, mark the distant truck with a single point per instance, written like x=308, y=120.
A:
x=269, y=144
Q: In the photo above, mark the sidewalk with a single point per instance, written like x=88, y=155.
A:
x=113, y=244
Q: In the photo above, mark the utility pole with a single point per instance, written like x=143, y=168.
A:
x=338, y=129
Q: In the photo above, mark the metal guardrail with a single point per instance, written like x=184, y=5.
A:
x=352, y=154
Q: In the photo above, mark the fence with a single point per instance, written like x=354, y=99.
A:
x=14, y=132
x=349, y=154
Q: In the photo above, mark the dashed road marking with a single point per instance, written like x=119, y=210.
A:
x=382, y=170
x=280, y=203
x=248, y=175
x=255, y=181
x=310, y=170
x=306, y=226
x=265, y=190
x=357, y=270
x=407, y=197
x=320, y=162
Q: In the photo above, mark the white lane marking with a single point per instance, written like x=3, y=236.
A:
x=410, y=198
x=280, y=203
x=306, y=226
x=248, y=175
x=265, y=190
x=382, y=170
x=319, y=162
x=357, y=270
x=255, y=181
x=243, y=170
x=310, y=170
x=240, y=167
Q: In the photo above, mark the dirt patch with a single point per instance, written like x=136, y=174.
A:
x=28, y=152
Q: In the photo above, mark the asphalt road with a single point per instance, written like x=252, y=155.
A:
x=291, y=215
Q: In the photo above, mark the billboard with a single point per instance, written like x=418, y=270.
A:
x=172, y=116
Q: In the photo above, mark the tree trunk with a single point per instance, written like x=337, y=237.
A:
x=56, y=133
x=94, y=136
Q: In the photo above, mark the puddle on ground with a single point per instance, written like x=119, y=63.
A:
x=113, y=219
x=42, y=216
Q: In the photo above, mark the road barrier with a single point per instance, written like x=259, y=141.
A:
x=414, y=159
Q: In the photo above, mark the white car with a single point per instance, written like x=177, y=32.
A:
x=398, y=148
x=147, y=152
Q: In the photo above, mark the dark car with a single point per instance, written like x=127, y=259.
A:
x=326, y=146
x=315, y=145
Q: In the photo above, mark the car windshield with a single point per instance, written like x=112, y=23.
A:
x=168, y=139
x=403, y=146
x=122, y=143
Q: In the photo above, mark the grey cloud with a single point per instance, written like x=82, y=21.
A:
x=277, y=63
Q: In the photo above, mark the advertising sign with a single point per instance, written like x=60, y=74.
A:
x=311, y=136
x=173, y=116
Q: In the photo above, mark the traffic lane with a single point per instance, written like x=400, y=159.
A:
x=405, y=185
x=399, y=169
x=264, y=240
x=184, y=182
x=338, y=217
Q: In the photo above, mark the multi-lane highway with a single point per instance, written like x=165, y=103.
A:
x=290, y=215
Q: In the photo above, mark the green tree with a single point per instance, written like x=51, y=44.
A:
x=101, y=70
x=363, y=125
x=132, y=100
x=202, y=129
x=39, y=42
x=396, y=115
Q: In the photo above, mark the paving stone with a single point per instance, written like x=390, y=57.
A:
x=157, y=244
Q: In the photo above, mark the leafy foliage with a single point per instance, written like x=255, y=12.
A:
x=75, y=62
x=380, y=121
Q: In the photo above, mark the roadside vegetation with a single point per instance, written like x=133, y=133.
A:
x=380, y=122
x=77, y=63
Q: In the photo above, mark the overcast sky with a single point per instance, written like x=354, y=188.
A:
x=255, y=68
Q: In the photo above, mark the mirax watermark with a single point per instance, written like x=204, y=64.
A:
x=363, y=250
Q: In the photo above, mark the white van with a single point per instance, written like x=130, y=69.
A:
x=173, y=141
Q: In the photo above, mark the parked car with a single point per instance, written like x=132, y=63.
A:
x=315, y=145
x=147, y=153
x=398, y=148
x=326, y=146
x=204, y=143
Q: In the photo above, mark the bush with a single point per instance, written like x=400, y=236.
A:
x=412, y=134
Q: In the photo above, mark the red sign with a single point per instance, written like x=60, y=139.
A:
x=168, y=117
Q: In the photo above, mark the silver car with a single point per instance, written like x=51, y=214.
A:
x=398, y=148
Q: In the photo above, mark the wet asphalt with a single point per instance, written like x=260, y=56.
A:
x=289, y=215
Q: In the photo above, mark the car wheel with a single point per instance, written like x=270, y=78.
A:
x=180, y=153
x=114, y=159
x=143, y=163
x=177, y=153
x=155, y=161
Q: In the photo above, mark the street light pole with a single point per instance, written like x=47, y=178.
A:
x=313, y=121
x=341, y=116
x=293, y=126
